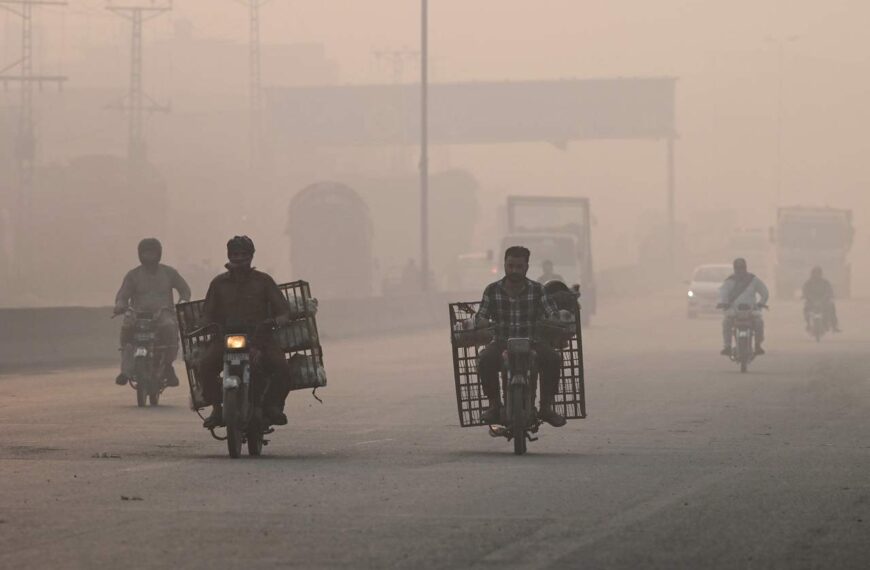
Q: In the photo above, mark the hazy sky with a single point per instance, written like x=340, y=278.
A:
x=497, y=38
x=731, y=59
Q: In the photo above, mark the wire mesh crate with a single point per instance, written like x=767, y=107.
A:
x=299, y=340
x=470, y=400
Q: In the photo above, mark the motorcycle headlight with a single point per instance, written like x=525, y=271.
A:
x=691, y=293
x=237, y=342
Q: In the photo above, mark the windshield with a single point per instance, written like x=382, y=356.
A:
x=712, y=274
x=559, y=250
x=818, y=234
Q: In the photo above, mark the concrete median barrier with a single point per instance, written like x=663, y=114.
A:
x=57, y=337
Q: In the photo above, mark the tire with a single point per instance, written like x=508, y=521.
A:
x=141, y=395
x=142, y=374
x=744, y=345
x=232, y=413
x=255, y=442
x=519, y=419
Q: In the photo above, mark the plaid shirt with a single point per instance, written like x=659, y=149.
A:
x=515, y=317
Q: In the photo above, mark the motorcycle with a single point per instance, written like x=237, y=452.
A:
x=743, y=335
x=817, y=324
x=149, y=368
x=519, y=376
x=244, y=387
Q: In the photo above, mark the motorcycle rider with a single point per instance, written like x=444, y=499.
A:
x=548, y=274
x=515, y=304
x=742, y=288
x=250, y=299
x=817, y=291
x=148, y=288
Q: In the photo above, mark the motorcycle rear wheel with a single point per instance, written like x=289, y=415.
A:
x=519, y=419
x=154, y=394
x=255, y=442
x=231, y=418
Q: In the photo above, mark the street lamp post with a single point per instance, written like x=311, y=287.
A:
x=424, y=145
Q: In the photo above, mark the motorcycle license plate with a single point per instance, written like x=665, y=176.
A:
x=742, y=334
x=141, y=351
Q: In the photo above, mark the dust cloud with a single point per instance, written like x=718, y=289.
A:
x=770, y=110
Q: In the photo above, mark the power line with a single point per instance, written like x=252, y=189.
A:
x=136, y=103
x=21, y=72
x=255, y=84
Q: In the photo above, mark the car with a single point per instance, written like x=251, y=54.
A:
x=703, y=294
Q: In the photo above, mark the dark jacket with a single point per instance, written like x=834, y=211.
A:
x=244, y=298
x=818, y=290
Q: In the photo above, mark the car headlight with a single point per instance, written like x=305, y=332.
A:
x=237, y=342
x=691, y=293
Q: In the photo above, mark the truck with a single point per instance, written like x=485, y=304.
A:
x=806, y=237
x=556, y=229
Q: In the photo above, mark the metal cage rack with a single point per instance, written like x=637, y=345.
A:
x=470, y=400
x=299, y=340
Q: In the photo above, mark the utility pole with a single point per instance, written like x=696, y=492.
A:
x=672, y=203
x=255, y=85
x=136, y=102
x=424, y=145
x=21, y=72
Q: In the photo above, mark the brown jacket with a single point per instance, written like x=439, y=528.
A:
x=244, y=299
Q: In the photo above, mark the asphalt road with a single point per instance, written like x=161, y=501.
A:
x=682, y=463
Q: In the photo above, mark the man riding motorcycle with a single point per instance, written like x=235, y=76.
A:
x=148, y=288
x=515, y=304
x=247, y=298
x=818, y=292
x=742, y=288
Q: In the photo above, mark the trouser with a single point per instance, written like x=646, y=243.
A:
x=268, y=358
x=490, y=364
x=728, y=328
x=167, y=338
x=829, y=311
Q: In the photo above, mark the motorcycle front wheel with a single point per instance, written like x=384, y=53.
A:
x=232, y=419
x=141, y=372
x=744, y=345
x=519, y=419
x=141, y=395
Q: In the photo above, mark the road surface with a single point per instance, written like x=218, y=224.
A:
x=682, y=463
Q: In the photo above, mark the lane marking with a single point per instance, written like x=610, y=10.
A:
x=374, y=441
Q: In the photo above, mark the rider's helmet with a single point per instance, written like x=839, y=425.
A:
x=740, y=265
x=150, y=244
x=816, y=273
